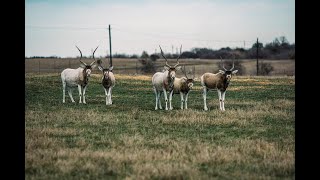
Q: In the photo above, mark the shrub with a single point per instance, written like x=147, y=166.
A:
x=265, y=68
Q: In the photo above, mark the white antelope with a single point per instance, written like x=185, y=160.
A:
x=183, y=86
x=219, y=81
x=79, y=77
x=108, y=81
x=164, y=81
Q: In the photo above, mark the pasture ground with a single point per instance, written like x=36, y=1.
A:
x=253, y=139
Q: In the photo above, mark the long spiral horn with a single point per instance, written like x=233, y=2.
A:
x=79, y=51
x=94, y=52
x=222, y=64
x=232, y=65
x=178, y=57
x=164, y=57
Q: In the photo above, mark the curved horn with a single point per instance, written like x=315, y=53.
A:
x=83, y=63
x=79, y=51
x=178, y=57
x=93, y=62
x=222, y=64
x=232, y=65
x=94, y=52
x=164, y=57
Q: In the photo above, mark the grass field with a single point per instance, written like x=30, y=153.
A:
x=253, y=139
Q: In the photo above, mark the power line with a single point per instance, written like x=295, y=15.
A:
x=171, y=35
x=64, y=27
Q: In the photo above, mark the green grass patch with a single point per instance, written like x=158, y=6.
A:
x=252, y=139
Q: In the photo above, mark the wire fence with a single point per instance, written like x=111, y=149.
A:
x=133, y=66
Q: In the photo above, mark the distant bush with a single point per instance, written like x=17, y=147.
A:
x=154, y=57
x=292, y=54
x=134, y=56
x=148, y=66
x=265, y=68
x=188, y=54
x=120, y=56
x=148, y=62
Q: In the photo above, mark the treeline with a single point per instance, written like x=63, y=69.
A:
x=279, y=48
x=42, y=57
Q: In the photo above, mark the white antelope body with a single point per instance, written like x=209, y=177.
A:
x=183, y=86
x=219, y=81
x=164, y=82
x=108, y=81
x=79, y=77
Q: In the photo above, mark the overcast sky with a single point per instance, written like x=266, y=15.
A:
x=54, y=27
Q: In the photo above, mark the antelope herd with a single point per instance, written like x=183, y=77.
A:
x=164, y=82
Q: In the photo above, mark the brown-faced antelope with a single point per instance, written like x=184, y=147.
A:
x=219, y=81
x=77, y=77
x=108, y=81
x=183, y=86
x=164, y=81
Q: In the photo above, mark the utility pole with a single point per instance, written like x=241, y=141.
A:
x=257, y=57
x=110, y=45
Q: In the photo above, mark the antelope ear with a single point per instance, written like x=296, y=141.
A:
x=234, y=72
x=100, y=68
x=221, y=71
x=110, y=68
x=82, y=65
x=178, y=68
x=166, y=67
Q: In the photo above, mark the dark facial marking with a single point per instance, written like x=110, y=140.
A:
x=189, y=81
x=228, y=72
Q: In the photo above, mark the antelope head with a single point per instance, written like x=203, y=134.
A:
x=228, y=73
x=87, y=67
x=172, y=69
x=189, y=80
x=105, y=71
